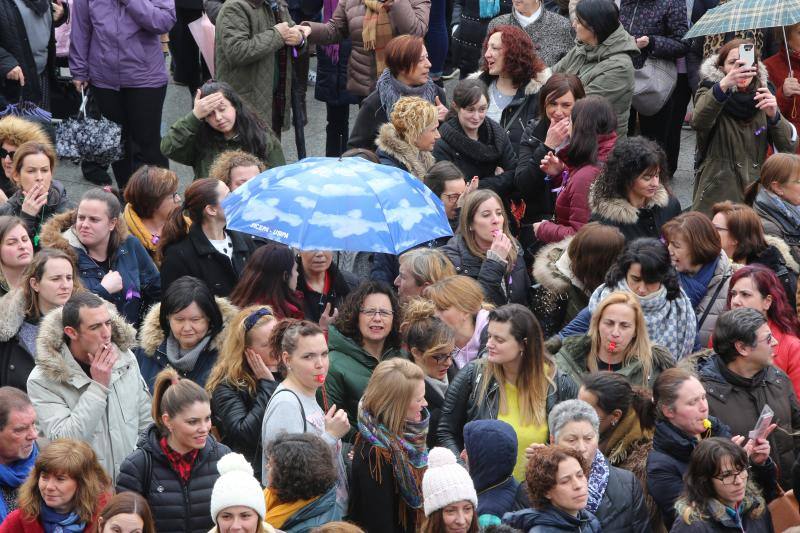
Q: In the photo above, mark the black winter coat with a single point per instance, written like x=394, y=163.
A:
x=342, y=282
x=663, y=21
x=176, y=507
x=16, y=362
x=534, y=186
x=467, y=41
x=780, y=262
x=552, y=520
x=612, y=210
x=57, y=202
x=462, y=405
x=196, y=256
x=237, y=415
x=435, y=403
x=371, y=116
x=499, y=287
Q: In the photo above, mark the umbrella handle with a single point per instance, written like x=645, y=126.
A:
x=84, y=100
x=788, y=56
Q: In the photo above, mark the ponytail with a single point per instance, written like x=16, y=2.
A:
x=198, y=195
x=285, y=335
x=644, y=407
x=172, y=394
x=613, y=391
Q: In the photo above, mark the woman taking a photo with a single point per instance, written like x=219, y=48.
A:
x=38, y=196
x=241, y=382
x=150, y=196
x=47, y=283
x=431, y=345
x=720, y=493
x=219, y=121
x=366, y=332
x=459, y=303
x=704, y=270
x=270, y=278
x=113, y=264
x=65, y=491
x=16, y=253
x=576, y=167
x=568, y=272
x=175, y=465
x=182, y=332
x=617, y=342
x=630, y=193
x=484, y=250
x=293, y=407
x=323, y=284
x=517, y=383
x=513, y=74
x=732, y=94
x=475, y=143
x=390, y=455
x=406, y=142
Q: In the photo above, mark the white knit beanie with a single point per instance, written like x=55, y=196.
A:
x=445, y=482
x=236, y=486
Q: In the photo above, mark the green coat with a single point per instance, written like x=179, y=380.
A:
x=350, y=369
x=571, y=359
x=245, y=54
x=180, y=144
x=605, y=70
x=732, y=153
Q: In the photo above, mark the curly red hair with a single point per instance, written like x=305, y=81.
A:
x=522, y=63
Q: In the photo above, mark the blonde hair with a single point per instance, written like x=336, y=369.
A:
x=640, y=349
x=411, y=115
x=427, y=265
x=461, y=292
x=230, y=159
x=390, y=391
x=471, y=204
x=423, y=330
x=232, y=366
x=17, y=131
x=75, y=459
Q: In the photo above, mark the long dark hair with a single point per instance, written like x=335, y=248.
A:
x=198, y=195
x=613, y=391
x=251, y=132
x=653, y=257
x=591, y=116
x=265, y=280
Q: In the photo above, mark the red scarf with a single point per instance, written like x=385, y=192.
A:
x=181, y=463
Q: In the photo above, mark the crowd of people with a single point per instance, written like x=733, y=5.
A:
x=584, y=354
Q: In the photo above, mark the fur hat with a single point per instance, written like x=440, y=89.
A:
x=236, y=486
x=445, y=482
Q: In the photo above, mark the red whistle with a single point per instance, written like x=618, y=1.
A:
x=612, y=346
x=320, y=378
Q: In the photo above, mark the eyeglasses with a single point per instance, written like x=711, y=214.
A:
x=729, y=478
x=4, y=153
x=453, y=197
x=383, y=313
x=442, y=358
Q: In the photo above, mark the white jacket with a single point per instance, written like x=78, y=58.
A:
x=70, y=405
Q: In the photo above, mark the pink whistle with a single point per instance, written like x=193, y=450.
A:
x=320, y=378
x=495, y=232
x=612, y=346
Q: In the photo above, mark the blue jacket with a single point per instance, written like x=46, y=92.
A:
x=492, y=452
x=552, y=520
x=319, y=512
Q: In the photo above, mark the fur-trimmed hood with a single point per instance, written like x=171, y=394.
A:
x=709, y=71
x=753, y=507
x=151, y=335
x=785, y=251
x=54, y=358
x=392, y=144
x=549, y=271
x=532, y=87
x=12, y=314
x=604, y=202
x=59, y=232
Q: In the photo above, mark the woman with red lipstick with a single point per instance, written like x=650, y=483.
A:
x=720, y=494
x=48, y=282
x=16, y=252
x=175, y=464
x=65, y=491
x=293, y=407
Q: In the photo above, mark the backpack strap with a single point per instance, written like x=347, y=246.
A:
x=148, y=474
x=711, y=302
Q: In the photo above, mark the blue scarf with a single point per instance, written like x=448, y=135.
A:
x=55, y=522
x=489, y=8
x=598, y=481
x=792, y=212
x=13, y=475
x=695, y=286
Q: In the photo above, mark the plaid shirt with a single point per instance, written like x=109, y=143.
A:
x=181, y=464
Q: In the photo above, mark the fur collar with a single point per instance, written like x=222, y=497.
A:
x=415, y=161
x=54, y=358
x=786, y=252
x=58, y=232
x=709, y=71
x=606, y=204
x=151, y=335
x=532, y=87
x=545, y=270
x=12, y=314
x=624, y=438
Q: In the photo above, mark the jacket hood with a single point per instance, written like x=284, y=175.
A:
x=605, y=203
x=320, y=511
x=416, y=161
x=58, y=232
x=753, y=505
x=492, y=450
x=553, y=519
x=784, y=250
x=12, y=314
x=619, y=42
x=549, y=272
x=709, y=71
x=53, y=355
x=532, y=87
x=151, y=335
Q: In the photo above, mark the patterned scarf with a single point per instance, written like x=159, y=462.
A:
x=376, y=32
x=598, y=481
x=792, y=212
x=55, y=522
x=407, y=453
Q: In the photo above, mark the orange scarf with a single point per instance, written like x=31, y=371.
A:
x=278, y=512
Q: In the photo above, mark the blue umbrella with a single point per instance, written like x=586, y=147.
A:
x=323, y=203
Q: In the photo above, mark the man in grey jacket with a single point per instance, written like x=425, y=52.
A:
x=86, y=383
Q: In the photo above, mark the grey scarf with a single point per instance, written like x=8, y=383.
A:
x=184, y=360
x=438, y=385
x=390, y=90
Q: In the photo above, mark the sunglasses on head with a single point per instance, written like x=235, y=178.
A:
x=4, y=153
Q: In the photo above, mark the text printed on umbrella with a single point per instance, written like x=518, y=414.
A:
x=272, y=231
